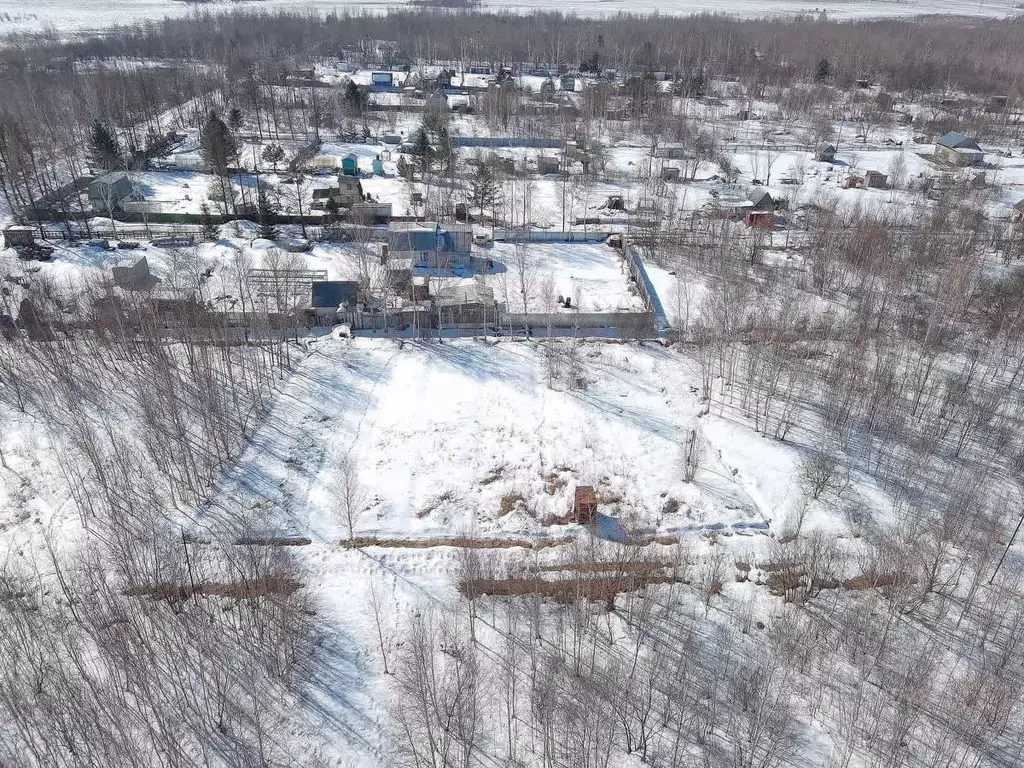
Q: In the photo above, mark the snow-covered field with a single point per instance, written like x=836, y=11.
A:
x=92, y=15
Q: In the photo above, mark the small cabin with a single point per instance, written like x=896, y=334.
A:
x=584, y=506
x=876, y=180
x=669, y=173
x=760, y=219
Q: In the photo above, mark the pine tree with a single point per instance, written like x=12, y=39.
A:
x=265, y=210
x=483, y=188
x=352, y=97
x=273, y=154
x=421, y=148
x=823, y=71
x=105, y=147
x=235, y=118
x=217, y=145
x=209, y=228
x=444, y=150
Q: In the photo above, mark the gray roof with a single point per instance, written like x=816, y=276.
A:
x=758, y=194
x=111, y=177
x=954, y=140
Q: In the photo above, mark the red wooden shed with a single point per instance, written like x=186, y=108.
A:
x=584, y=508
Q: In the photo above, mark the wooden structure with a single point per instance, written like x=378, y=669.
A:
x=876, y=180
x=584, y=505
x=15, y=235
x=760, y=219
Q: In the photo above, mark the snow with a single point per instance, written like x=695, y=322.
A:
x=68, y=16
x=595, y=276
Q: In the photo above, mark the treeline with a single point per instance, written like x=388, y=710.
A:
x=902, y=54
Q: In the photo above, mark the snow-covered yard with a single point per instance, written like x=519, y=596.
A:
x=594, y=276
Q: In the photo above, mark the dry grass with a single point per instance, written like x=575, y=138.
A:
x=566, y=590
x=274, y=541
x=509, y=502
x=554, y=482
x=875, y=581
x=454, y=541
x=238, y=590
x=494, y=475
x=447, y=496
x=639, y=567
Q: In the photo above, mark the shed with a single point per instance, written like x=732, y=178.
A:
x=669, y=173
x=378, y=167
x=18, y=235
x=876, y=180
x=334, y=301
x=547, y=165
x=825, y=153
x=568, y=82
x=959, y=150
x=584, y=505
x=137, y=277
x=760, y=219
x=350, y=164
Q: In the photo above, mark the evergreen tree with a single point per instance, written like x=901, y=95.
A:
x=483, y=187
x=209, y=228
x=353, y=98
x=217, y=145
x=106, y=150
x=421, y=148
x=824, y=70
x=273, y=154
x=444, y=151
x=235, y=118
x=265, y=211
x=547, y=90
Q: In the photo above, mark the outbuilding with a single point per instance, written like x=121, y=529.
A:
x=584, y=507
x=959, y=150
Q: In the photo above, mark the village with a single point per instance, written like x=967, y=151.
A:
x=436, y=223
x=452, y=388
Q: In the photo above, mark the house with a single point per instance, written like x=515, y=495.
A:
x=584, y=505
x=825, y=153
x=568, y=82
x=959, y=150
x=351, y=191
x=876, y=180
x=853, y=182
x=669, y=173
x=137, y=277
x=334, y=301
x=428, y=244
x=350, y=164
x=110, y=191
